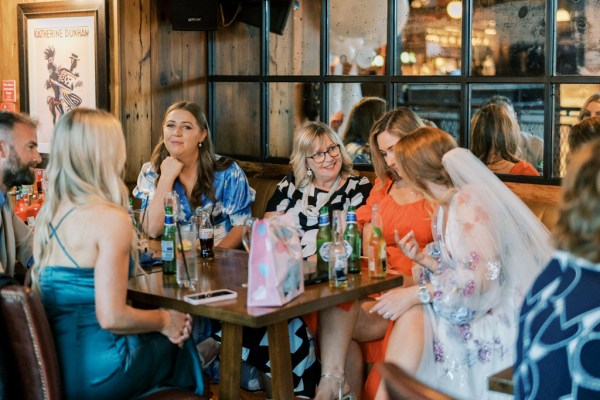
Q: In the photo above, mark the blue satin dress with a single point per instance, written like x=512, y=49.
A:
x=98, y=364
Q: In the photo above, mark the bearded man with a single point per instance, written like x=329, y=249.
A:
x=19, y=157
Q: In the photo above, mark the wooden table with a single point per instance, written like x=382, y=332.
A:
x=229, y=270
x=502, y=381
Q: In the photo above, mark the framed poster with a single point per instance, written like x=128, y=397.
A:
x=62, y=60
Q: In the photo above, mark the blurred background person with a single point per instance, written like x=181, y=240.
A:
x=531, y=146
x=184, y=161
x=85, y=250
x=591, y=107
x=495, y=141
x=584, y=131
x=557, y=347
x=360, y=121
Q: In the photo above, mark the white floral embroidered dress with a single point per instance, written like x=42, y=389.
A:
x=470, y=324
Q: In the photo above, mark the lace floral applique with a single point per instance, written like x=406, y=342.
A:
x=484, y=352
x=465, y=332
x=469, y=289
x=494, y=268
x=438, y=351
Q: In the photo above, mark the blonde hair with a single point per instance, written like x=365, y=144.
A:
x=578, y=227
x=420, y=157
x=399, y=122
x=495, y=134
x=583, y=113
x=308, y=137
x=86, y=167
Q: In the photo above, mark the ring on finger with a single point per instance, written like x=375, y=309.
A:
x=387, y=315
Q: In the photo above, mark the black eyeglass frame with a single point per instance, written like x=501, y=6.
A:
x=322, y=153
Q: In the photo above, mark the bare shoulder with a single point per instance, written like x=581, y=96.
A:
x=109, y=221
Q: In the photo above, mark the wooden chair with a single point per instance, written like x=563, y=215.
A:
x=403, y=386
x=29, y=352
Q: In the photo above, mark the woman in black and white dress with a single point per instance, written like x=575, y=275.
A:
x=322, y=176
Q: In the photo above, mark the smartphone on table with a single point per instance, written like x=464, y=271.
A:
x=210, y=297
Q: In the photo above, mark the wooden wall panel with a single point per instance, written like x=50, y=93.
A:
x=136, y=96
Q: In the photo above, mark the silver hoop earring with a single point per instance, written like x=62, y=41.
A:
x=309, y=173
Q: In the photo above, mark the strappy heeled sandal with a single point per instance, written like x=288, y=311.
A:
x=340, y=380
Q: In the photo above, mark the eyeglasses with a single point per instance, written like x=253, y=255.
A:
x=319, y=156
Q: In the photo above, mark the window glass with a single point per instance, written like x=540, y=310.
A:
x=357, y=37
x=525, y=103
x=237, y=121
x=508, y=38
x=429, y=37
x=574, y=103
x=296, y=51
x=292, y=104
x=437, y=103
x=578, y=48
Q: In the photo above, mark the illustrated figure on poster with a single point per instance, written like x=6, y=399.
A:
x=62, y=82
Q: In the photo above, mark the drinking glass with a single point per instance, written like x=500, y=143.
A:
x=187, y=257
x=247, y=233
x=140, y=223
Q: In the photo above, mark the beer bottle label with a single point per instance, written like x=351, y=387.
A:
x=168, y=250
x=340, y=264
x=348, y=248
x=324, y=251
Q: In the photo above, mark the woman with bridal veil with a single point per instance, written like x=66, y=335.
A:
x=458, y=325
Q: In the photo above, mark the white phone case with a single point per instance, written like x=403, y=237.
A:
x=210, y=297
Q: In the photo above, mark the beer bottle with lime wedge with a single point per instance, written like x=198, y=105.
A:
x=376, y=251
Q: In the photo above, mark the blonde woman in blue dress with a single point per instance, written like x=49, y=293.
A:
x=85, y=251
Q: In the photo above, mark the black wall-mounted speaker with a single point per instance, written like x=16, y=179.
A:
x=194, y=15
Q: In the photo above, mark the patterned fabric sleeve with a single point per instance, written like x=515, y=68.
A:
x=280, y=199
x=239, y=195
x=360, y=192
x=146, y=186
x=470, y=278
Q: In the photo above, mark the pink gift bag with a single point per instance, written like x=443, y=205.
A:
x=275, y=274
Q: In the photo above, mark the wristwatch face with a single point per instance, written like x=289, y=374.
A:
x=424, y=296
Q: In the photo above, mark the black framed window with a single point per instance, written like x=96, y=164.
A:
x=275, y=64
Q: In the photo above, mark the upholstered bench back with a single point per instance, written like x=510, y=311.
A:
x=541, y=199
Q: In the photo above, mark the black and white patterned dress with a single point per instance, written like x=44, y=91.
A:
x=306, y=368
x=288, y=199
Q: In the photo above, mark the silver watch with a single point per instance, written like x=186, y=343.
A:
x=424, y=296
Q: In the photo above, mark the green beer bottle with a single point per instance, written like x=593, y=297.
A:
x=353, y=241
x=323, y=242
x=168, y=243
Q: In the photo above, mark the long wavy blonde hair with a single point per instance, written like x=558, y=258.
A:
x=86, y=166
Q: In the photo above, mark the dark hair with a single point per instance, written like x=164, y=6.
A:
x=578, y=227
x=362, y=117
x=584, y=131
x=9, y=119
x=494, y=134
x=207, y=162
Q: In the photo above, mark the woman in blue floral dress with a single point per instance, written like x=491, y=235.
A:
x=458, y=325
x=184, y=161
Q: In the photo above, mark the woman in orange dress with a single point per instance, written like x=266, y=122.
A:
x=401, y=209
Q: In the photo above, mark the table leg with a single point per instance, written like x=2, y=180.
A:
x=231, y=361
x=281, y=361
